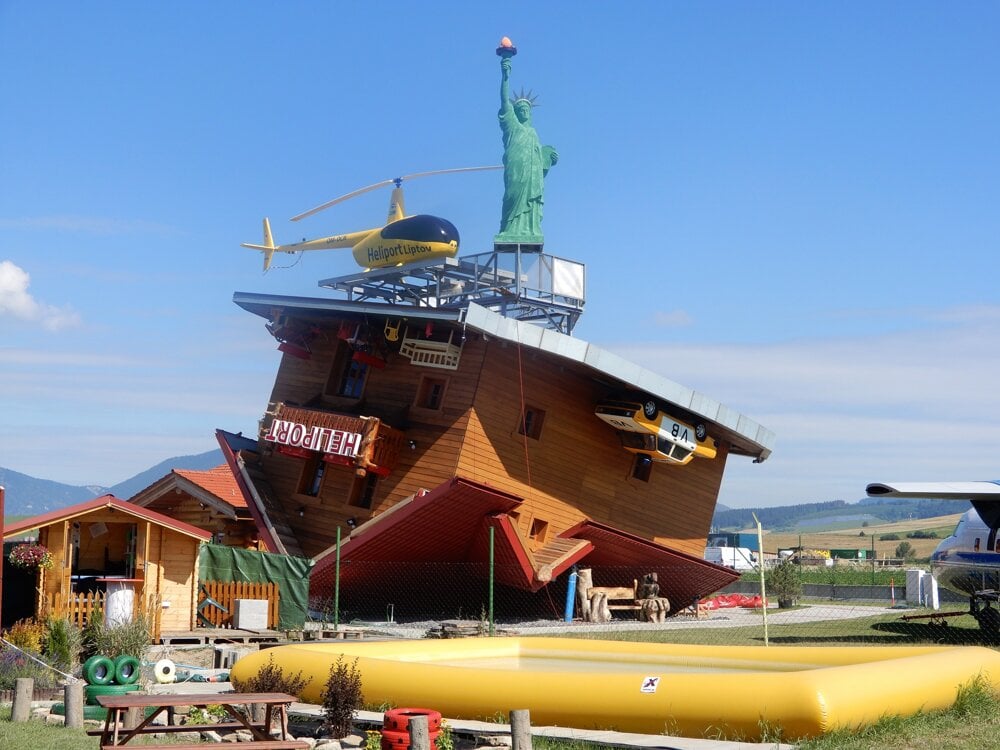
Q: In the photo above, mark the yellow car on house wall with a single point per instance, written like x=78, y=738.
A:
x=644, y=428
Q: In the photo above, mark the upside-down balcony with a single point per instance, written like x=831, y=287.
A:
x=363, y=442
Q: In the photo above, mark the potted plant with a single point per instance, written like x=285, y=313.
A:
x=784, y=583
x=31, y=556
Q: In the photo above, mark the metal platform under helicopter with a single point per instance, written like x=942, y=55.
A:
x=516, y=281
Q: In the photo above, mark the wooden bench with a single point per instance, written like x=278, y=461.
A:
x=650, y=607
x=254, y=745
x=225, y=726
x=622, y=596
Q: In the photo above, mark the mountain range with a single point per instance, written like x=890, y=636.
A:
x=29, y=496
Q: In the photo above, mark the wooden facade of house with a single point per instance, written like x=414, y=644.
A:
x=106, y=542
x=572, y=468
x=429, y=396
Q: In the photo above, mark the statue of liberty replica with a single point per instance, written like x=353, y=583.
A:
x=525, y=162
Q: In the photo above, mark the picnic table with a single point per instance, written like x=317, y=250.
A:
x=236, y=705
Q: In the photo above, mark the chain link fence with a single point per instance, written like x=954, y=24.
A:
x=839, y=603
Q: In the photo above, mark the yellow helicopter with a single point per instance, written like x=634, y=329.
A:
x=401, y=241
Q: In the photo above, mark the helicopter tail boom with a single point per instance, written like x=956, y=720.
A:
x=268, y=247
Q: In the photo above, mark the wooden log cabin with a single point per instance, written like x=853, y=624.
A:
x=106, y=547
x=415, y=430
x=209, y=499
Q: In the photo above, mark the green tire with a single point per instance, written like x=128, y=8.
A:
x=126, y=670
x=99, y=670
x=94, y=713
x=95, y=690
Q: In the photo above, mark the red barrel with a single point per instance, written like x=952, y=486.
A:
x=396, y=726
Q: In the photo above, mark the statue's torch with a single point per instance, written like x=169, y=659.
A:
x=506, y=48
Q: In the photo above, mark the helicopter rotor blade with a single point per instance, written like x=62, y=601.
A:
x=383, y=183
x=341, y=199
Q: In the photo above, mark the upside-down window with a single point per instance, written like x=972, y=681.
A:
x=531, y=422
x=311, y=478
x=642, y=467
x=347, y=375
x=430, y=394
x=539, y=530
x=363, y=491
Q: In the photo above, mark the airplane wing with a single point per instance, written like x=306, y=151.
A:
x=985, y=496
x=985, y=491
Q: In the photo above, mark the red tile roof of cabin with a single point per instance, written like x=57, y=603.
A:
x=104, y=501
x=218, y=481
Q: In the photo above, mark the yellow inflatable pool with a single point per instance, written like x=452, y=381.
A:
x=643, y=687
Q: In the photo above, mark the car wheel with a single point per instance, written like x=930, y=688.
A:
x=649, y=409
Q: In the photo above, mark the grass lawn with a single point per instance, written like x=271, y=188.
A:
x=974, y=722
x=879, y=630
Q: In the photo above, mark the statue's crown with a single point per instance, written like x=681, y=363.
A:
x=525, y=96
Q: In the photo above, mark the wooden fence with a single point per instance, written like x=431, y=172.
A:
x=81, y=608
x=226, y=594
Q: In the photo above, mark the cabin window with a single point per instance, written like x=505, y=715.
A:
x=531, y=422
x=347, y=375
x=363, y=491
x=311, y=479
x=642, y=467
x=539, y=530
x=430, y=395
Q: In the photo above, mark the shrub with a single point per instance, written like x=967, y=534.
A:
x=889, y=538
x=272, y=679
x=27, y=634
x=127, y=638
x=15, y=664
x=784, y=583
x=446, y=738
x=905, y=551
x=63, y=644
x=342, y=697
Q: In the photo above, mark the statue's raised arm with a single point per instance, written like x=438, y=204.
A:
x=504, y=84
x=525, y=162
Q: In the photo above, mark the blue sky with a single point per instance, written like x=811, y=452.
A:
x=791, y=207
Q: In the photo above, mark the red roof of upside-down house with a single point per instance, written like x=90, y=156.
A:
x=450, y=524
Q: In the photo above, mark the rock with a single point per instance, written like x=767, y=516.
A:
x=327, y=744
x=188, y=737
x=212, y=736
x=243, y=736
x=55, y=720
x=352, y=740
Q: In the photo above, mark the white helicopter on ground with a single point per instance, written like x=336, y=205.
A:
x=968, y=561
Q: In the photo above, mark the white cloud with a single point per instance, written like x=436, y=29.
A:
x=907, y=406
x=17, y=302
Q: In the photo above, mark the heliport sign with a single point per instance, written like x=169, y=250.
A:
x=322, y=439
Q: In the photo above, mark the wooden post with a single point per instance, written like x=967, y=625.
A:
x=584, y=580
x=520, y=729
x=133, y=717
x=420, y=736
x=23, y=688
x=73, y=704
